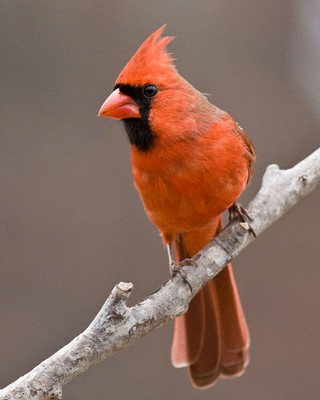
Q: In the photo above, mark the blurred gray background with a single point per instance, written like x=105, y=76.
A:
x=72, y=225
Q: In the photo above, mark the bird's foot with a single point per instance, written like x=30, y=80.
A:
x=178, y=269
x=239, y=211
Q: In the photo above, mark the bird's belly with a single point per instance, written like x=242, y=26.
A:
x=181, y=205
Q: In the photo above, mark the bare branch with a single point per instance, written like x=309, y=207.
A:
x=117, y=326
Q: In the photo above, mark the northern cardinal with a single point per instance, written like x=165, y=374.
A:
x=190, y=162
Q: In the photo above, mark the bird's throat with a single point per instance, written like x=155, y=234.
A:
x=139, y=133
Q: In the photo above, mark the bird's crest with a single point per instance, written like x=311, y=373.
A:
x=151, y=63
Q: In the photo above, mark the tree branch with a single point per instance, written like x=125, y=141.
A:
x=116, y=326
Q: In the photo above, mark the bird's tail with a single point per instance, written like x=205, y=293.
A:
x=212, y=338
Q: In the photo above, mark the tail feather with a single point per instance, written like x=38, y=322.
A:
x=185, y=350
x=207, y=367
x=212, y=338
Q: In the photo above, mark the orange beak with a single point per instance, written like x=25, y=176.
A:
x=119, y=106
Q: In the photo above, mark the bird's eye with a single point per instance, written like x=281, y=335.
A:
x=150, y=90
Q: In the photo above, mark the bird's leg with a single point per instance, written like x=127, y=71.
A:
x=237, y=210
x=170, y=256
x=178, y=268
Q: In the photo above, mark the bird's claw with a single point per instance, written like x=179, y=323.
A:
x=239, y=211
x=178, y=269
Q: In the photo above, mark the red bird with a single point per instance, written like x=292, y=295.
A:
x=190, y=162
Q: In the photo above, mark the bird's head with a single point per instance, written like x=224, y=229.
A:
x=152, y=98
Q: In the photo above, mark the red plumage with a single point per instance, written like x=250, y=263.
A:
x=194, y=165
